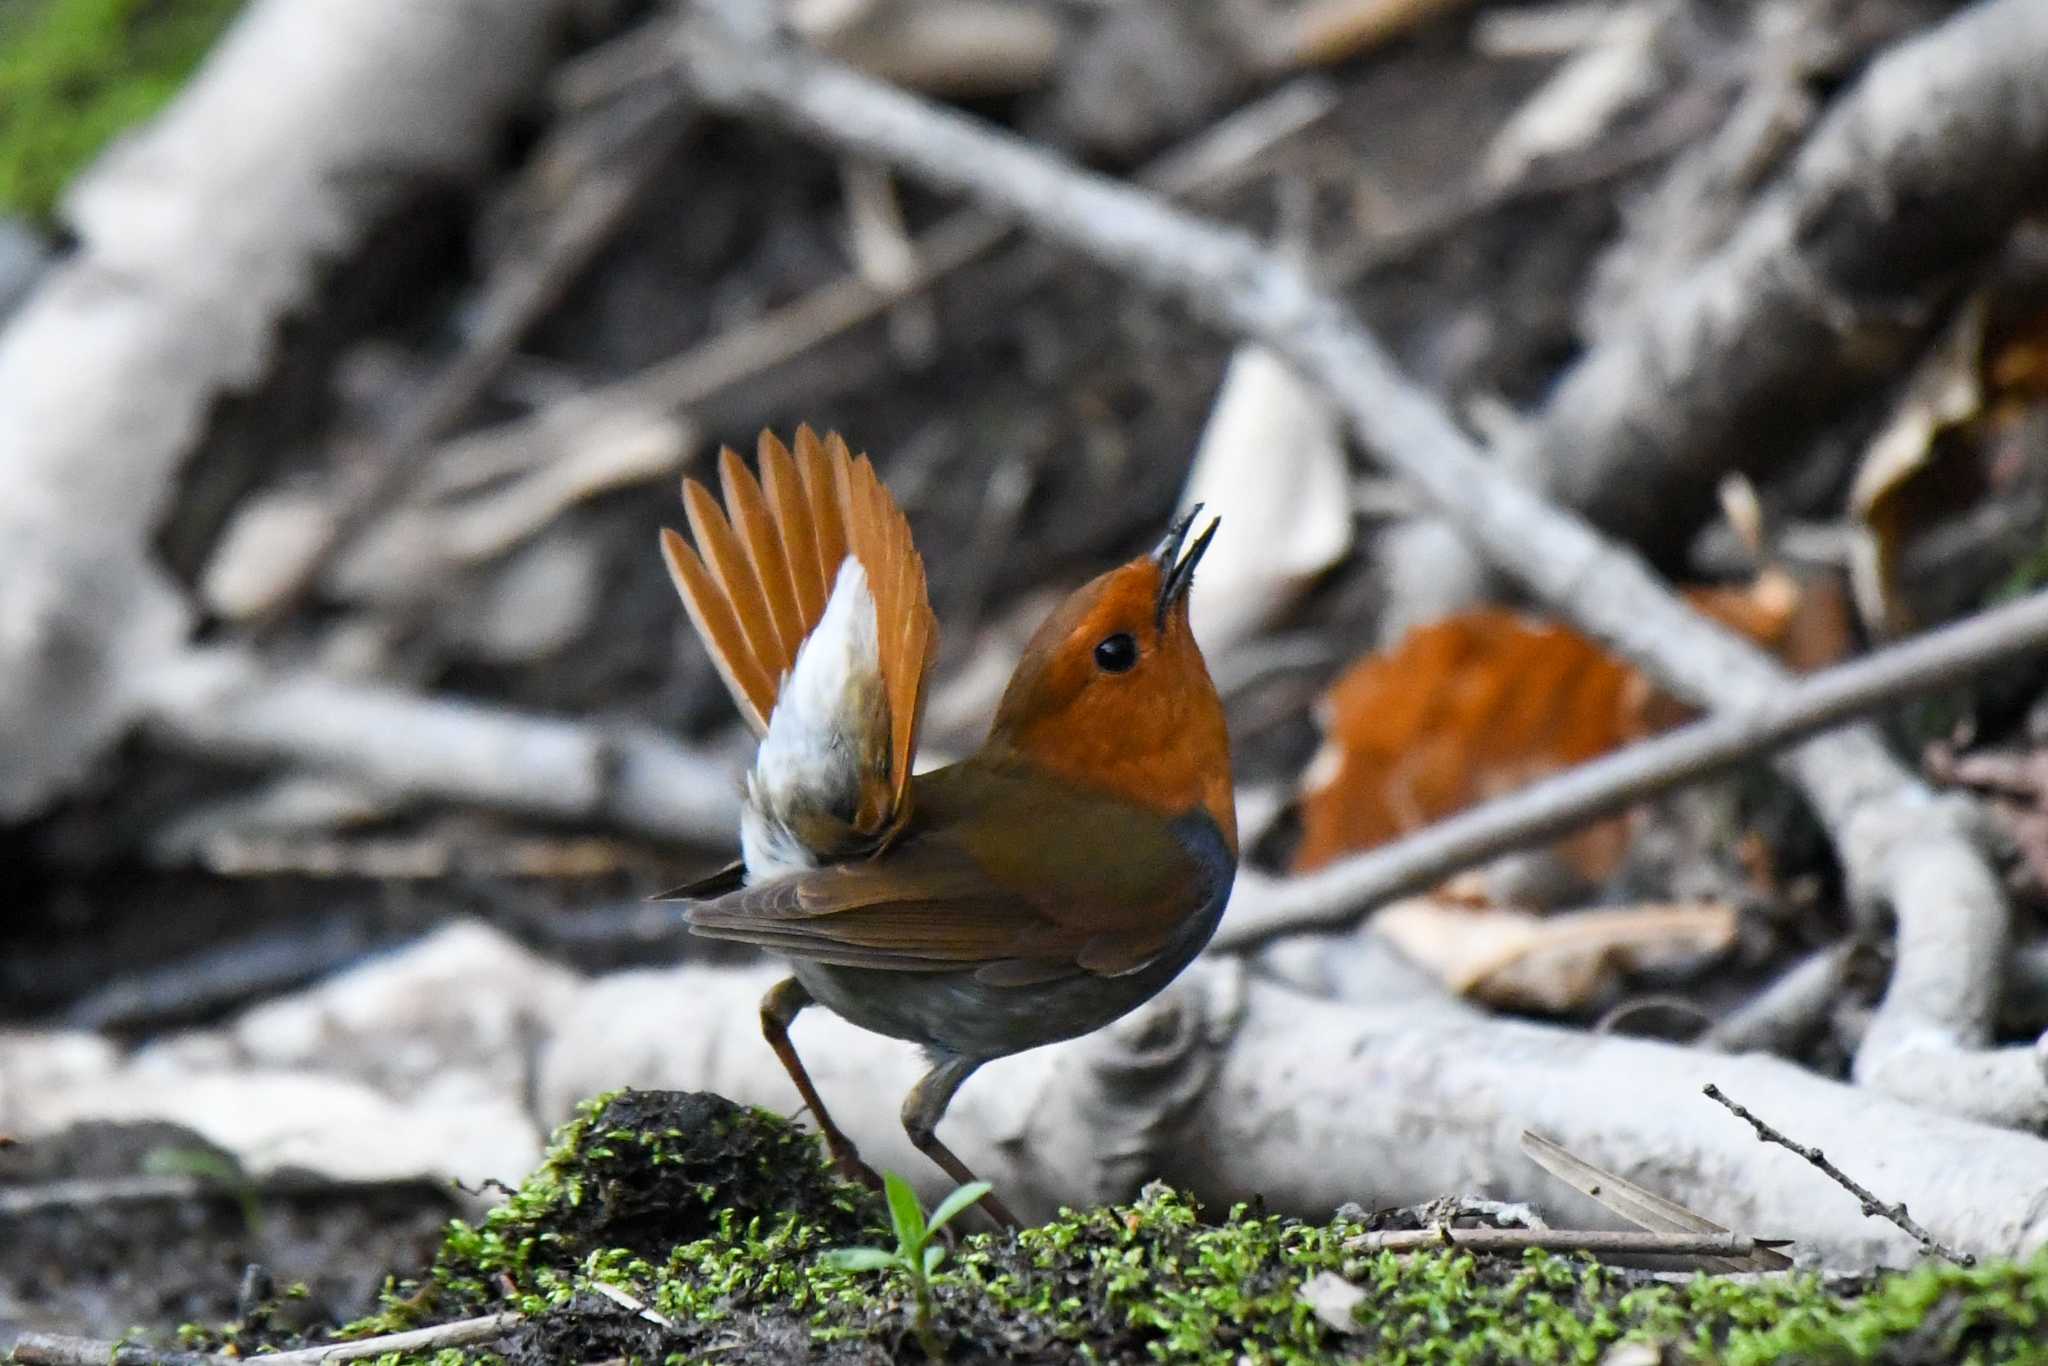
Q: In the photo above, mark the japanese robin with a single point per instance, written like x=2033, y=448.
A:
x=1045, y=886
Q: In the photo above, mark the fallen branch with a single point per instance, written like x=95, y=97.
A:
x=1900, y=845
x=1596, y=1241
x=1912, y=180
x=226, y=705
x=1345, y=891
x=723, y=362
x=1231, y=1086
x=1872, y=1207
x=57, y=1349
x=87, y=1193
x=461, y=1333
x=1823, y=291
x=206, y=224
x=51, y=1349
x=517, y=295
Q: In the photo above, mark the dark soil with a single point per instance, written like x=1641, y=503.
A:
x=102, y=1264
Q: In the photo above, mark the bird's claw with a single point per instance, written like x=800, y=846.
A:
x=846, y=1161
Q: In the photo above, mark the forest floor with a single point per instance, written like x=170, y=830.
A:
x=1033, y=435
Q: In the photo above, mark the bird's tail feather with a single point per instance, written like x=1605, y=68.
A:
x=812, y=602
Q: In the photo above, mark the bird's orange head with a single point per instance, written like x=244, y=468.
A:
x=1112, y=693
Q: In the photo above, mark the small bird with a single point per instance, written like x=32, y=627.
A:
x=1045, y=886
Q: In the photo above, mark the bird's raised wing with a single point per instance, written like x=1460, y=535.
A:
x=764, y=569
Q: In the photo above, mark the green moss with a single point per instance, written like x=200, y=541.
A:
x=73, y=73
x=638, y=1180
x=716, y=1218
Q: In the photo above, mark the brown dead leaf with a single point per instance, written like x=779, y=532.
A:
x=1935, y=455
x=1557, y=963
x=1478, y=704
x=1945, y=391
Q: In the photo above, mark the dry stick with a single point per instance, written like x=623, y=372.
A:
x=1872, y=1206
x=720, y=363
x=461, y=1333
x=515, y=301
x=217, y=219
x=1631, y=1243
x=52, y=1349
x=1897, y=842
x=1789, y=1010
x=96, y=1192
x=226, y=704
x=1913, y=178
x=1346, y=891
x=1821, y=293
x=1331, y=31
x=99, y=1192
x=57, y=1349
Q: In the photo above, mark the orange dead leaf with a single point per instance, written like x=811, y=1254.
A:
x=1475, y=705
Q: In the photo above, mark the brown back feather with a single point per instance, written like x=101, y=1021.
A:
x=756, y=586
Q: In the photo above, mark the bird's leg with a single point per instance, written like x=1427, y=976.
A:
x=922, y=1109
x=783, y=1003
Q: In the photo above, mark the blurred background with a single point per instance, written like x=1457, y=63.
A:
x=351, y=358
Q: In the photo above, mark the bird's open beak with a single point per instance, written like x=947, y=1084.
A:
x=1177, y=569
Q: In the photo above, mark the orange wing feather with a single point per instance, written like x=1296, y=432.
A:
x=756, y=585
x=792, y=511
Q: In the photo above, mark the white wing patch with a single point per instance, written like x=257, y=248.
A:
x=828, y=735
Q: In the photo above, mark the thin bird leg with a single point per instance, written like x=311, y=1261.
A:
x=922, y=1109
x=783, y=1003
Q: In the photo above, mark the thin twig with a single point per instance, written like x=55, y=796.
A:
x=1872, y=1206
x=1647, y=1209
x=1789, y=1010
x=57, y=1349
x=1325, y=32
x=732, y=357
x=230, y=976
x=1631, y=1243
x=1426, y=224
x=43, y=1197
x=53, y=1349
x=461, y=1333
x=1345, y=891
x=88, y=1193
x=515, y=300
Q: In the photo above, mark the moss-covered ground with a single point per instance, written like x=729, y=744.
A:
x=713, y=1217
x=73, y=73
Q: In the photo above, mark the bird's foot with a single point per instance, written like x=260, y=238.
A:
x=847, y=1162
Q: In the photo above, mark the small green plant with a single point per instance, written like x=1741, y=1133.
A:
x=916, y=1256
x=215, y=1168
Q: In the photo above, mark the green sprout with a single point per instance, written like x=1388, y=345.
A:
x=214, y=1168
x=916, y=1256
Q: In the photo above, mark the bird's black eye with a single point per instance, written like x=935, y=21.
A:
x=1116, y=654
